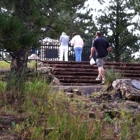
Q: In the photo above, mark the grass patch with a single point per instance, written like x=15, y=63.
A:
x=4, y=64
x=31, y=64
x=111, y=75
x=49, y=114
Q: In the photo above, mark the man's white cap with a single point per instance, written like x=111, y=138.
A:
x=63, y=33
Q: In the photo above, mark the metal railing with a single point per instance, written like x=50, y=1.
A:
x=50, y=51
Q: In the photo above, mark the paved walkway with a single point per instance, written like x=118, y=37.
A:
x=83, y=89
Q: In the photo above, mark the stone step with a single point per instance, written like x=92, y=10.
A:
x=136, y=70
x=82, y=73
x=87, y=63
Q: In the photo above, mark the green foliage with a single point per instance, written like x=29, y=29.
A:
x=50, y=114
x=31, y=64
x=111, y=75
x=37, y=88
x=2, y=86
x=117, y=24
x=107, y=118
x=16, y=82
x=4, y=64
x=14, y=34
x=21, y=23
x=135, y=4
x=125, y=125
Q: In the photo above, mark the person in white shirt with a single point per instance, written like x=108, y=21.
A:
x=64, y=40
x=78, y=44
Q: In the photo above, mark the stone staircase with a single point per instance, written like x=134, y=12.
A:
x=82, y=73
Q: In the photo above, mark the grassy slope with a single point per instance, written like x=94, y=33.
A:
x=4, y=64
x=45, y=114
x=48, y=114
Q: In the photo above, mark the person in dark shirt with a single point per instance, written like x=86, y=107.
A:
x=102, y=48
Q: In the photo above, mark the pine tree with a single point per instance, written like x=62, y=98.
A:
x=135, y=4
x=116, y=23
x=21, y=23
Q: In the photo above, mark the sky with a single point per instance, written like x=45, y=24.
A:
x=95, y=4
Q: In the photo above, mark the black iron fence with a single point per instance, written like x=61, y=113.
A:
x=50, y=51
x=4, y=55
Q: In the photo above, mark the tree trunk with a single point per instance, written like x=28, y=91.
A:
x=18, y=67
x=19, y=58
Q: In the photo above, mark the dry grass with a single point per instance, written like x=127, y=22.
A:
x=4, y=64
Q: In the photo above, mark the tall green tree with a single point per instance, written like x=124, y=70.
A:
x=135, y=4
x=117, y=24
x=19, y=32
x=20, y=28
x=68, y=18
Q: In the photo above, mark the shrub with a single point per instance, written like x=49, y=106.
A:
x=111, y=75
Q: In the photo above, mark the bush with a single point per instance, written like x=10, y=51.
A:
x=111, y=75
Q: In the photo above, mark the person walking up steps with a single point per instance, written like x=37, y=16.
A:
x=102, y=48
x=78, y=44
x=64, y=40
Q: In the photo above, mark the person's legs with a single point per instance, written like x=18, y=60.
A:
x=99, y=75
x=100, y=63
x=66, y=53
x=101, y=72
x=61, y=53
x=78, y=53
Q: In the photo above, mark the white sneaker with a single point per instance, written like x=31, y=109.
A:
x=98, y=78
x=103, y=81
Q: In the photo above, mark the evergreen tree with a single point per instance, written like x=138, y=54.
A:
x=135, y=4
x=116, y=23
x=21, y=23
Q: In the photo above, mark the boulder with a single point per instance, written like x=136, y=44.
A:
x=44, y=70
x=130, y=89
x=33, y=57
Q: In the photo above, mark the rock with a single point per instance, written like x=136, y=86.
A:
x=49, y=130
x=128, y=91
x=56, y=81
x=69, y=94
x=69, y=89
x=33, y=57
x=47, y=72
x=132, y=105
x=44, y=69
x=117, y=95
x=40, y=64
x=105, y=96
x=77, y=92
